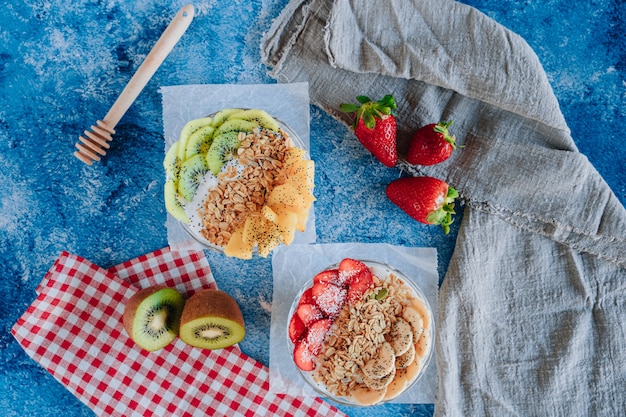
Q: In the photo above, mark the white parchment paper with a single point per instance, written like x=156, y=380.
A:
x=293, y=266
x=287, y=102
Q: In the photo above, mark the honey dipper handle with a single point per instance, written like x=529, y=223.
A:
x=146, y=70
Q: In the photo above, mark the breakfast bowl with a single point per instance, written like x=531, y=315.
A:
x=239, y=181
x=360, y=332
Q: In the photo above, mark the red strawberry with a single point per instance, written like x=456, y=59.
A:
x=302, y=356
x=330, y=275
x=428, y=200
x=307, y=297
x=360, y=283
x=309, y=313
x=296, y=328
x=329, y=298
x=375, y=127
x=349, y=268
x=431, y=144
x=316, y=334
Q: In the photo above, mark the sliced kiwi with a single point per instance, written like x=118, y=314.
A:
x=199, y=141
x=236, y=125
x=222, y=150
x=172, y=162
x=172, y=201
x=223, y=115
x=152, y=317
x=191, y=173
x=189, y=128
x=260, y=117
x=211, y=319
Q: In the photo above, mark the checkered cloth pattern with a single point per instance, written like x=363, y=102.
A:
x=74, y=330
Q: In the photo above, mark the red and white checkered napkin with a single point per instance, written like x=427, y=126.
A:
x=74, y=330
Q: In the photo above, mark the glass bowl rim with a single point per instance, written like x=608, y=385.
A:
x=297, y=142
x=306, y=375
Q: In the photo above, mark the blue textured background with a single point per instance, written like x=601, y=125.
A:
x=62, y=64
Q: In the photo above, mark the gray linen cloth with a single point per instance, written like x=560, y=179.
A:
x=533, y=306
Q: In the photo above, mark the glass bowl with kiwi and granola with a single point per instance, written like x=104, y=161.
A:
x=239, y=181
x=361, y=332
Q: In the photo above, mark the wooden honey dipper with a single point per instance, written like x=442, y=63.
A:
x=94, y=144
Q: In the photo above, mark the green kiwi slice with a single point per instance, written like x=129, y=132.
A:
x=236, y=125
x=189, y=128
x=211, y=319
x=172, y=162
x=152, y=317
x=260, y=117
x=222, y=150
x=191, y=173
x=199, y=141
x=223, y=115
x=172, y=201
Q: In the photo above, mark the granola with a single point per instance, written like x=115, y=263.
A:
x=241, y=192
x=357, y=336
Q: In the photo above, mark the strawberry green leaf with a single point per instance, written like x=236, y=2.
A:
x=443, y=215
x=369, y=120
x=442, y=127
x=349, y=107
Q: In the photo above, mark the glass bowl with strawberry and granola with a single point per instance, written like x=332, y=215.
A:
x=239, y=181
x=361, y=332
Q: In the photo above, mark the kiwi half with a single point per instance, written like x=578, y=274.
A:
x=152, y=317
x=211, y=319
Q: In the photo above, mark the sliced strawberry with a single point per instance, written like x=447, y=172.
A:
x=329, y=298
x=296, y=328
x=307, y=297
x=302, y=356
x=359, y=285
x=309, y=313
x=330, y=275
x=316, y=334
x=348, y=269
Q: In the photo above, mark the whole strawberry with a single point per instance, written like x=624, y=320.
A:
x=431, y=144
x=426, y=199
x=375, y=127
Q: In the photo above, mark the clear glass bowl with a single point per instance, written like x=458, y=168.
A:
x=195, y=234
x=382, y=271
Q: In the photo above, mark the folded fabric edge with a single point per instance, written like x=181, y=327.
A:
x=272, y=53
x=607, y=247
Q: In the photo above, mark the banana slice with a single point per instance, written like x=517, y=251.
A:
x=382, y=364
x=414, y=318
x=404, y=360
x=400, y=336
x=379, y=383
x=423, y=344
x=397, y=386
x=421, y=308
x=411, y=371
x=367, y=396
